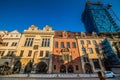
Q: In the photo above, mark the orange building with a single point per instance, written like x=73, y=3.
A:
x=66, y=57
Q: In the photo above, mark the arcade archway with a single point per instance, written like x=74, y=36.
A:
x=17, y=66
x=88, y=68
x=62, y=69
x=28, y=67
x=41, y=67
x=70, y=69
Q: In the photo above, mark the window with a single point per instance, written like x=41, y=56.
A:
x=14, y=44
x=62, y=45
x=48, y=43
x=41, y=53
x=85, y=59
x=83, y=35
x=42, y=42
x=82, y=42
x=97, y=50
x=76, y=67
x=30, y=53
x=73, y=45
x=60, y=58
x=31, y=41
x=57, y=51
x=10, y=53
x=96, y=64
x=28, y=41
x=90, y=50
x=94, y=42
x=70, y=57
x=5, y=44
x=2, y=53
x=16, y=35
x=83, y=50
x=35, y=47
x=68, y=44
x=54, y=67
x=66, y=57
x=21, y=53
x=56, y=44
x=88, y=42
x=11, y=35
x=47, y=54
x=45, y=42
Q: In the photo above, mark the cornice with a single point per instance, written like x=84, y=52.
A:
x=40, y=32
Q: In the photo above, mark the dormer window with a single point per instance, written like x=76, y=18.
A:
x=83, y=35
x=47, y=28
x=32, y=28
x=65, y=34
x=11, y=35
x=16, y=35
x=94, y=34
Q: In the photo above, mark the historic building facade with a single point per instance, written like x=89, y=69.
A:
x=111, y=51
x=35, y=49
x=66, y=56
x=9, y=46
x=49, y=51
x=99, y=18
x=89, y=47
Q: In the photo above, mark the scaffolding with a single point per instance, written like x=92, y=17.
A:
x=100, y=18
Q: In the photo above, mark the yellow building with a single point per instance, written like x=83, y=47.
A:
x=35, y=49
x=8, y=48
x=90, y=52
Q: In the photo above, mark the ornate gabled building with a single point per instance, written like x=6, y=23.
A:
x=35, y=49
x=99, y=18
x=66, y=56
x=9, y=46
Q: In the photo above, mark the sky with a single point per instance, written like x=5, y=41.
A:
x=59, y=14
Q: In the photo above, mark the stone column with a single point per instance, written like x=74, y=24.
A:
x=50, y=64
